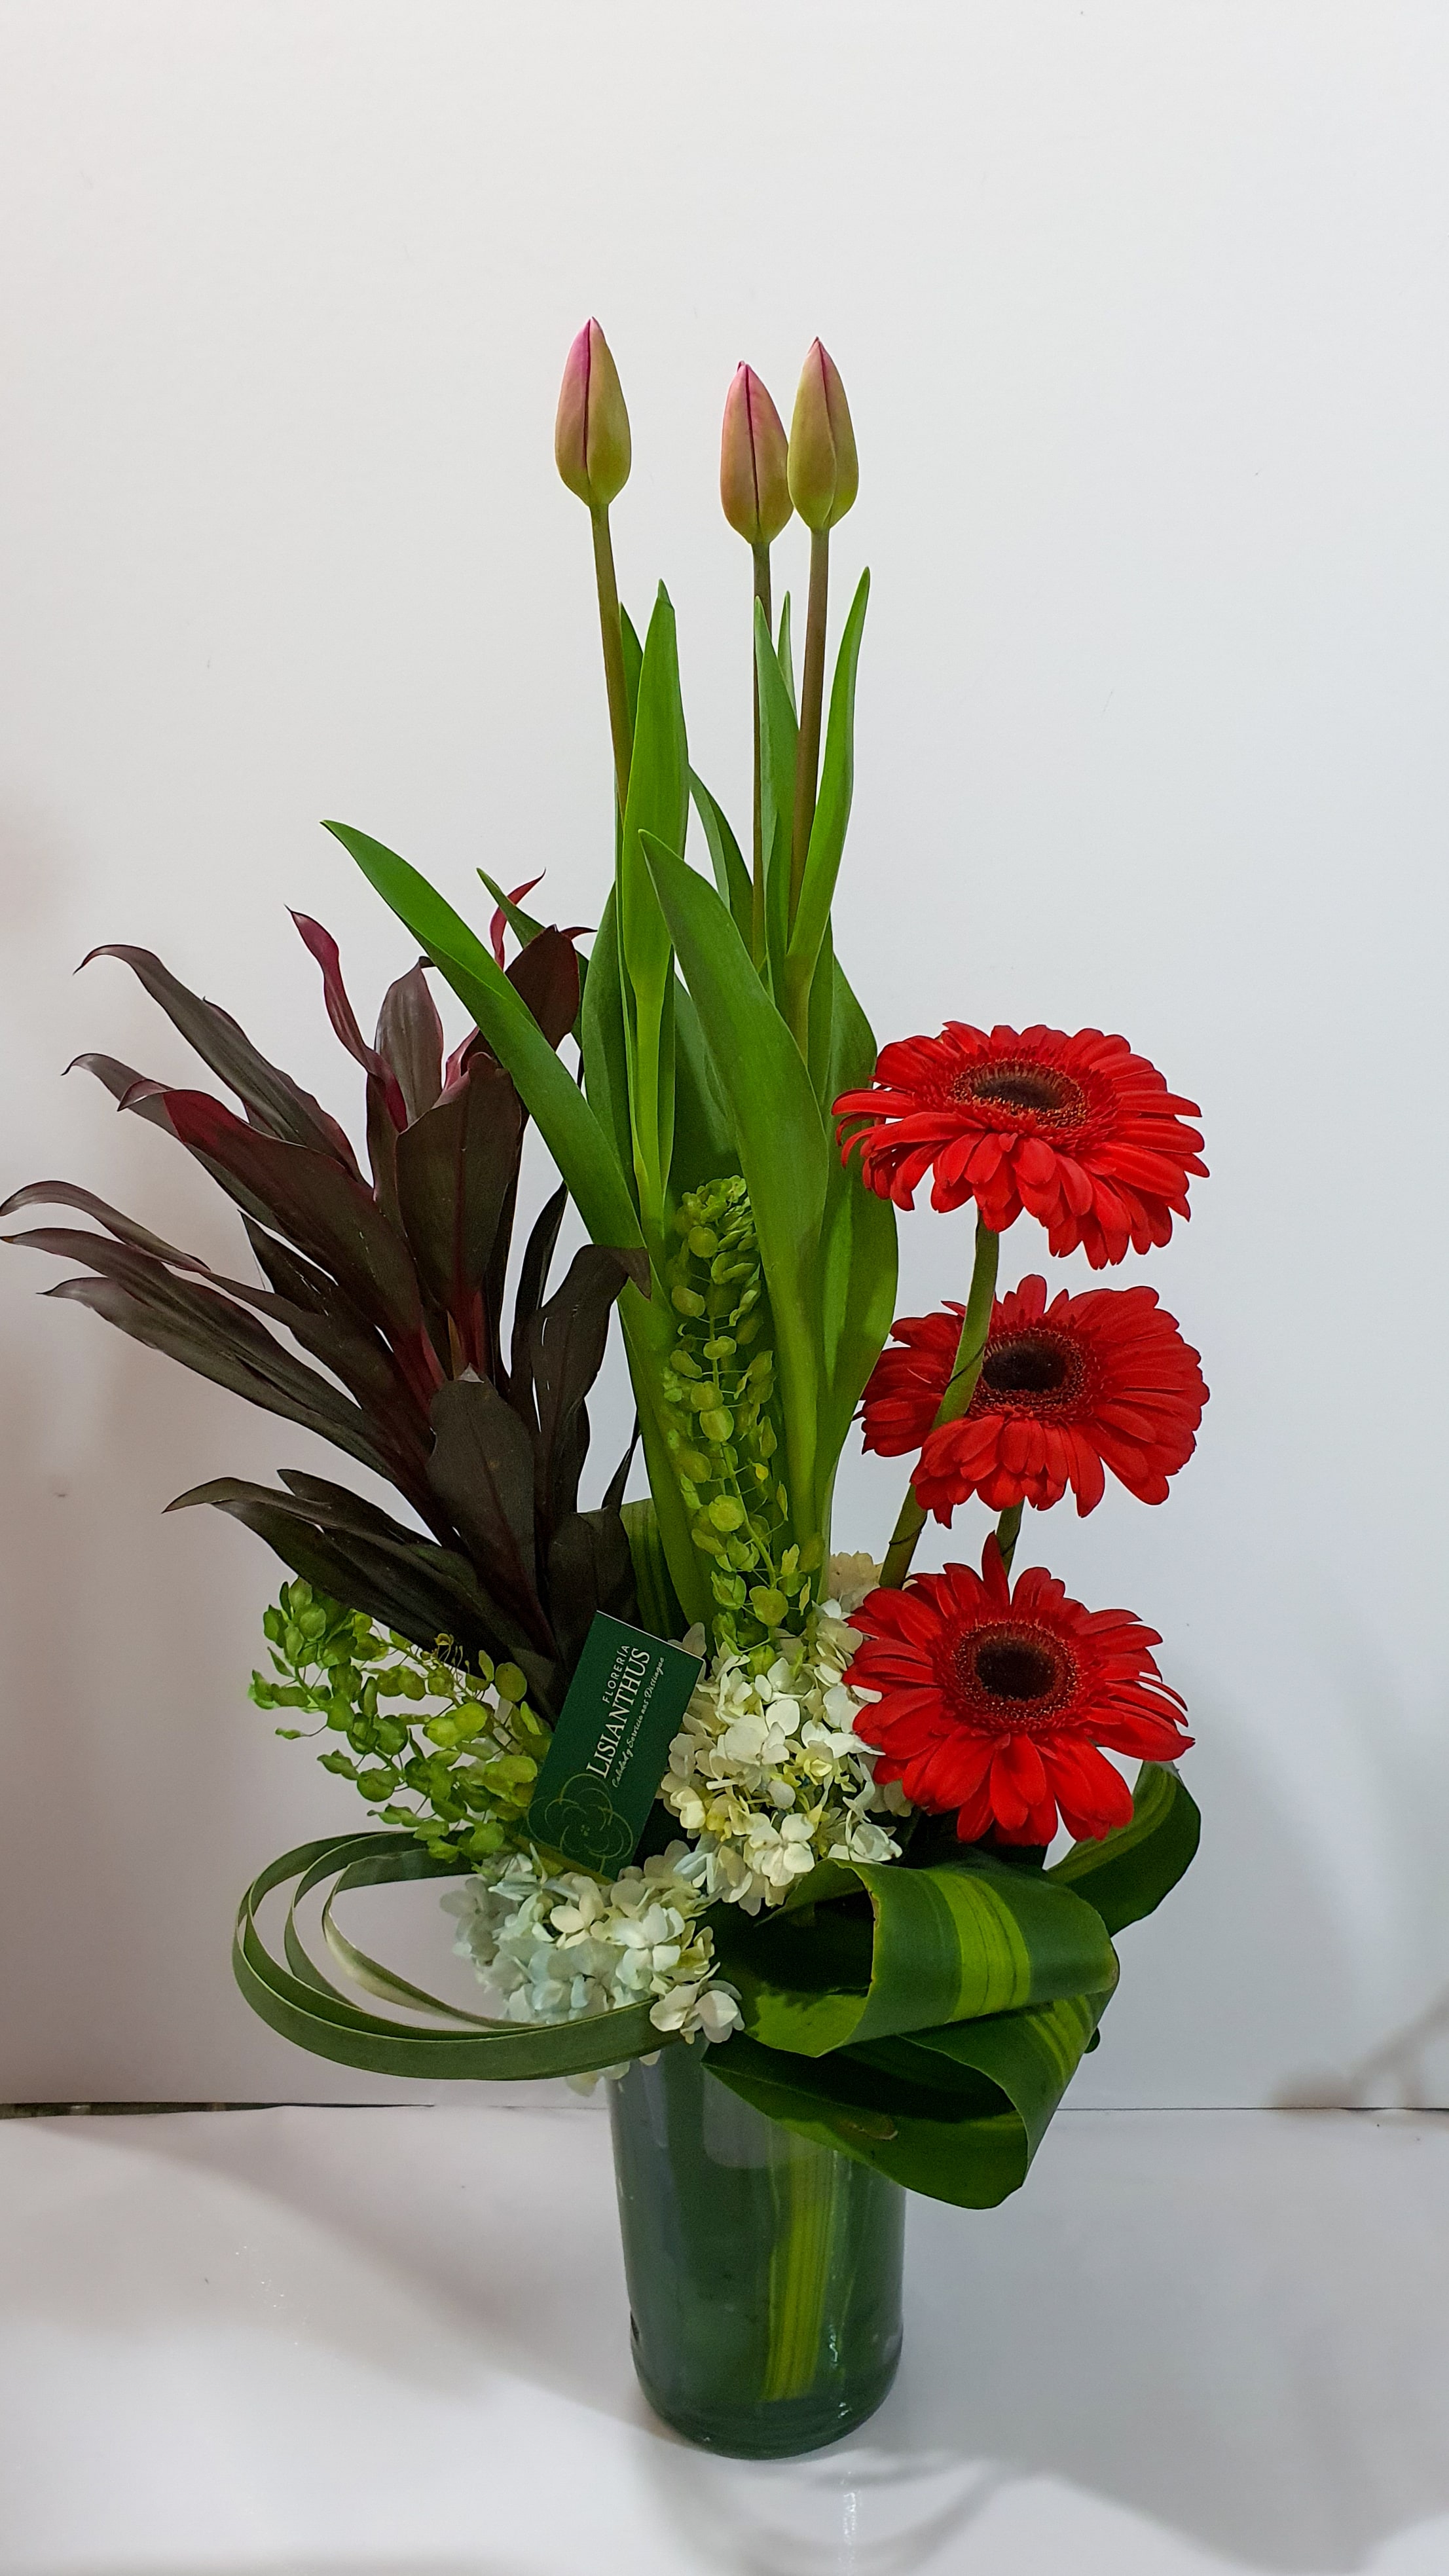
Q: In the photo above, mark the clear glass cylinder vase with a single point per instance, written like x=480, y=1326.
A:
x=764, y=2271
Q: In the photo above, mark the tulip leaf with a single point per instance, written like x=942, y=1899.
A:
x=865, y=1951
x=783, y=1151
x=703, y=1139
x=658, y=805
x=785, y=655
x=523, y=924
x=659, y=1604
x=602, y=1041
x=648, y=1328
x=832, y=809
x=779, y=734
x=568, y=1125
x=731, y=875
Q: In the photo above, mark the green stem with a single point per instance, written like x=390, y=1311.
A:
x=612, y=636
x=812, y=697
x=757, y=906
x=960, y=1387
x=1007, y=1531
x=807, y=2198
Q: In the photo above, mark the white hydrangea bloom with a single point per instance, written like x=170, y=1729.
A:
x=563, y=1947
x=767, y=1775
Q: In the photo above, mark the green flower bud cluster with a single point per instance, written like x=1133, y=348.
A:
x=721, y=1433
x=461, y=1741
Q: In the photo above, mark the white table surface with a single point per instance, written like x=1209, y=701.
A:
x=393, y=2342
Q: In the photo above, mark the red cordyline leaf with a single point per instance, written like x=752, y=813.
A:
x=323, y=947
x=499, y=922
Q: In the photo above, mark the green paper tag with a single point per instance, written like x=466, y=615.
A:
x=611, y=1745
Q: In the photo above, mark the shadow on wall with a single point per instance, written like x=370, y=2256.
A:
x=1408, y=2068
x=1396, y=2072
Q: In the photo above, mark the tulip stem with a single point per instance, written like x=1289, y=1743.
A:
x=757, y=900
x=612, y=635
x=812, y=698
x=960, y=1388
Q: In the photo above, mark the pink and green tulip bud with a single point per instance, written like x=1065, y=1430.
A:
x=824, y=473
x=591, y=433
x=754, y=486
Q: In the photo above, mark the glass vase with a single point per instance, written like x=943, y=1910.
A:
x=764, y=2271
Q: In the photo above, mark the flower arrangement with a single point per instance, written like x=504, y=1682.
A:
x=845, y=1888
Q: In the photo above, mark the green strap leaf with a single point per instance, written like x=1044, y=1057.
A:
x=566, y=1122
x=957, y=2115
x=305, y=2007
x=933, y=1946
x=784, y=1154
x=1128, y=1873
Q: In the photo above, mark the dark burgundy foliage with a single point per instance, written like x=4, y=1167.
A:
x=393, y=1282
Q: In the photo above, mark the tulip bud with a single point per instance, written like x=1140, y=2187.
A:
x=824, y=473
x=591, y=433
x=753, y=486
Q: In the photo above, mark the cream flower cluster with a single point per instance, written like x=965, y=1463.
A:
x=563, y=1947
x=767, y=1775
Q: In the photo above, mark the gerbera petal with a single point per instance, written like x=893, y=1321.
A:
x=995, y=1698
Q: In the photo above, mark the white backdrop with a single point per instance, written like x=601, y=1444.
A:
x=1141, y=315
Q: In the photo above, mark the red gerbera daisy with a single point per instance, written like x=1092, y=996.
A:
x=994, y=1700
x=1100, y=1380
x=1077, y=1130
x=904, y=1390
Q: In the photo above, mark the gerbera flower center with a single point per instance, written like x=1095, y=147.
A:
x=1031, y=1364
x=1036, y=1093
x=1015, y=1667
x=1013, y=1677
